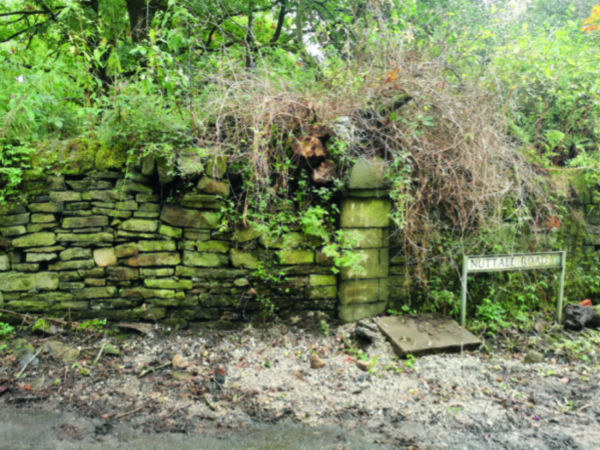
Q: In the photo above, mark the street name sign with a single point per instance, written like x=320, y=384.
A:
x=502, y=263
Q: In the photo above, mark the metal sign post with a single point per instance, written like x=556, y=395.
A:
x=503, y=263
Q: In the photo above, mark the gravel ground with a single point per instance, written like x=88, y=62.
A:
x=235, y=380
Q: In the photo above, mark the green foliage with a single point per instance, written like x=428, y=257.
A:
x=5, y=330
x=94, y=324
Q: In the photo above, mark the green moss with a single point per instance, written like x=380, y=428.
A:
x=75, y=157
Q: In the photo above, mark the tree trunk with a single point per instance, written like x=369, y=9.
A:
x=141, y=13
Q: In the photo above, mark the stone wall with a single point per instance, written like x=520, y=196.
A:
x=100, y=243
x=103, y=245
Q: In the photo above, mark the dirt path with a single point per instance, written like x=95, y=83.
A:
x=254, y=384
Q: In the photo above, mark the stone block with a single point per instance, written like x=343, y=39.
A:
x=85, y=222
x=132, y=186
x=195, y=259
x=293, y=257
x=86, y=237
x=106, y=196
x=154, y=259
x=78, y=206
x=134, y=235
x=115, y=303
x=220, y=274
x=374, y=263
x=362, y=291
x=376, y=193
x=216, y=167
x=150, y=207
x=368, y=173
x=285, y=241
x=112, y=213
x=94, y=282
x=155, y=273
x=169, y=231
x=43, y=239
x=322, y=280
x=96, y=272
x=17, y=230
x=65, y=196
x=164, y=283
x=146, y=215
x=118, y=273
x=70, y=285
x=95, y=292
x=157, y=246
x=202, y=312
x=212, y=246
x=17, y=219
x=37, y=227
x=125, y=250
x=22, y=267
x=69, y=276
x=325, y=292
x=212, y=186
x=365, y=213
x=244, y=259
x=48, y=207
x=363, y=237
x=144, y=293
x=105, y=257
x=4, y=263
x=146, y=197
x=141, y=225
x=354, y=312
x=16, y=281
x=72, y=265
x=90, y=184
x=40, y=257
x=76, y=253
x=129, y=205
x=12, y=209
x=246, y=234
x=198, y=201
x=148, y=165
x=196, y=235
x=180, y=217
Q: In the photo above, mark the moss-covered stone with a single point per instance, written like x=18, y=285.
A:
x=153, y=273
x=368, y=173
x=95, y=292
x=125, y=250
x=43, y=239
x=129, y=205
x=326, y=292
x=65, y=196
x=154, y=259
x=149, y=313
x=16, y=281
x=212, y=246
x=180, y=217
x=40, y=257
x=244, y=259
x=287, y=241
x=111, y=157
x=169, y=231
x=212, y=186
x=365, y=213
x=72, y=265
x=76, y=253
x=118, y=273
x=363, y=237
x=293, y=257
x=85, y=222
x=216, y=167
x=206, y=201
x=26, y=267
x=374, y=263
x=132, y=186
x=362, y=291
x=85, y=237
x=163, y=283
x=141, y=225
x=37, y=227
x=106, y=196
x=246, y=234
x=144, y=293
x=47, y=207
x=322, y=280
x=220, y=274
x=196, y=259
x=4, y=263
x=156, y=246
x=17, y=219
x=13, y=231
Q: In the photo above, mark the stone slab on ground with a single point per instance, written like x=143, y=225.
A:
x=426, y=334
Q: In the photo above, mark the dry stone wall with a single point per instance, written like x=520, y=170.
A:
x=103, y=245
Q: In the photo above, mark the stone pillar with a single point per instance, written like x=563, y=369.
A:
x=365, y=219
